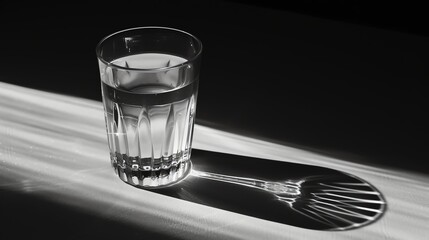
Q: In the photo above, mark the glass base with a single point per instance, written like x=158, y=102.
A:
x=153, y=179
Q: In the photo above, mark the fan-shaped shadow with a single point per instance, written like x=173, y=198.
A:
x=295, y=194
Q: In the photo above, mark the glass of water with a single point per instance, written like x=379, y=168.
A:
x=149, y=78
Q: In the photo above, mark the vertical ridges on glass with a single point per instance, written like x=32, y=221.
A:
x=121, y=133
x=145, y=139
x=168, y=143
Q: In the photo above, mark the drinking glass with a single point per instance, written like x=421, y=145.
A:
x=149, y=81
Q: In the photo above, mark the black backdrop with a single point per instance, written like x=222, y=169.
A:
x=342, y=79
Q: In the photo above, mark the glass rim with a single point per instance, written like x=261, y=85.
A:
x=100, y=43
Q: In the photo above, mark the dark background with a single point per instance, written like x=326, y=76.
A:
x=342, y=78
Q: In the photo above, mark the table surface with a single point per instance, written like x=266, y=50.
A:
x=275, y=85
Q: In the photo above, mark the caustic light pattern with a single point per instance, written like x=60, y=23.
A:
x=339, y=202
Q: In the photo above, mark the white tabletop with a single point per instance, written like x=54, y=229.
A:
x=55, y=146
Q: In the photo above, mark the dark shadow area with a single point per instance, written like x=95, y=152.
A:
x=33, y=216
x=295, y=194
x=408, y=17
x=299, y=195
x=269, y=72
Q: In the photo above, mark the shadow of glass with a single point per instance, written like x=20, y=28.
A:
x=300, y=195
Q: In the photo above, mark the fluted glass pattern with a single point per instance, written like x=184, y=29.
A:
x=149, y=120
x=149, y=81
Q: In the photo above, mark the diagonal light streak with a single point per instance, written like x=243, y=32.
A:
x=351, y=198
x=347, y=190
x=346, y=204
